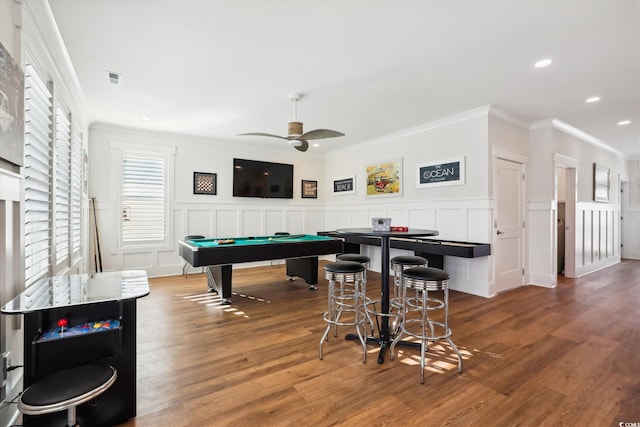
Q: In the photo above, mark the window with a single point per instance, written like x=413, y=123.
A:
x=37, y=171
x=144, y=193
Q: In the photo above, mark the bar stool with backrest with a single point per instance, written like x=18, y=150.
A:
x=345, y=300
x=66, y=389
x=421, y=281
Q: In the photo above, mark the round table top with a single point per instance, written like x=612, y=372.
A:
x=412, y=232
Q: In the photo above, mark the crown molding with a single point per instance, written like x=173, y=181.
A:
x=573, y=131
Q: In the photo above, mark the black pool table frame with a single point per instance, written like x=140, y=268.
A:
x=301, y=259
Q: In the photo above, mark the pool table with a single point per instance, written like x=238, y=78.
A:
x=218, y=256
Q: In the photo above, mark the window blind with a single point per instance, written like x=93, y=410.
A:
x=76, y=193
x=37, y=171
x=62, y=191
x=143, y=199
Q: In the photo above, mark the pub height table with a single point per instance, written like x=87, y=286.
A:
x=384, y=340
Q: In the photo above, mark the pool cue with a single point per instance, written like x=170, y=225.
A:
x=95, y=251
x=95, y=218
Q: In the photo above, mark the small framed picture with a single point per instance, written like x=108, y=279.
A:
x=344, y=185
x=309, y=189
x=205, y=183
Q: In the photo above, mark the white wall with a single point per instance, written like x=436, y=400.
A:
x=221, y=215
x=459, y=212
x=597, y=227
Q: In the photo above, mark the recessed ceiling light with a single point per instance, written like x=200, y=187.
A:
x=624, y=122
x=592, y=99
x=543, y=63
x=145, y=118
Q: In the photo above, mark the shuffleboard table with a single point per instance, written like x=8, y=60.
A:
x=217, y=256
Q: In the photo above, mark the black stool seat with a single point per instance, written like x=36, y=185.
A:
x=344, y=267
x=408, y=260
x=362, y=259
x=66, y=389
x=426, y=273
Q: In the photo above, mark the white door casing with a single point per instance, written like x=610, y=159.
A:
x=509, y=223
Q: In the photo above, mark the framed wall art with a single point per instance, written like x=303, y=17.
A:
x=600, y=183
x=11, y=109
x=205, y=183
x=309, y=189
x=344, y=185
x=440, y=173
x=384, y=178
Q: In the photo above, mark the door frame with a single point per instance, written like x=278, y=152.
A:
x=516, y=157
x=571, y=190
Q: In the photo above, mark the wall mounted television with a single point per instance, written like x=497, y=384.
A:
x=254, y=178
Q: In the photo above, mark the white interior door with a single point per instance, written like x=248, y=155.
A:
x=509, y=224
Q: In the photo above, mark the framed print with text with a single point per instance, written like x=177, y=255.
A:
x=309, y=189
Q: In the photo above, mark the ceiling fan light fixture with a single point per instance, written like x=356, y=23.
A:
x=295, y=129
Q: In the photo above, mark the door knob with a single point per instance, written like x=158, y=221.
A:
x=499, y=232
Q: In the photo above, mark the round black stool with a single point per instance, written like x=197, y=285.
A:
x=362, y=259
x=423, y=280
x=66, y=389
x=345, y=295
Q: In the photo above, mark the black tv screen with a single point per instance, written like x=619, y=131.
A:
x=253, y=178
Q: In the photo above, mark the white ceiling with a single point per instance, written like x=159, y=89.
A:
x=367, y=68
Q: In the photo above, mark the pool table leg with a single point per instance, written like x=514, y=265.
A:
x=306, y=268
x=219, y=276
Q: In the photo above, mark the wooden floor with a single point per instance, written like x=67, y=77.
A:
x=568, y=356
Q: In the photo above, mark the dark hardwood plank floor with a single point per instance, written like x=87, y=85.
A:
x=568, y=356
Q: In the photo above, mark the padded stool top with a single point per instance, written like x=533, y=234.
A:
x=425, y=273
x=408, y=260
x=344, y=267
x=353, y=257
x=67, y=385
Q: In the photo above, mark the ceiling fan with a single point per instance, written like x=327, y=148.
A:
x=296, y=137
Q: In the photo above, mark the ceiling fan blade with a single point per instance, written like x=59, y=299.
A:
x=321, y=134
x=263, y=134
x=301, y=147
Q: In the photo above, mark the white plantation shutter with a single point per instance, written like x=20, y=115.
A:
x=143, y=199
x=62, y=181
x=76, y=194
x=37, y=171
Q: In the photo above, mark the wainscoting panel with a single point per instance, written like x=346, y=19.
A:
x=252, y=222
x=599, y=238
x=201, y=219
x=227, y=223
x=422, y=218
x=275, y=222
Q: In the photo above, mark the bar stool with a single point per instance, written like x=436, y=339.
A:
x=364, y=260
x=346, y=293
x=398, y=265
x=423, y=280
x=67, y=389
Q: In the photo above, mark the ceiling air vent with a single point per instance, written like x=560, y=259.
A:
x=114, y=78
